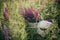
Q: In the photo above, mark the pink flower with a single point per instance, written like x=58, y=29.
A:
x=36, y=13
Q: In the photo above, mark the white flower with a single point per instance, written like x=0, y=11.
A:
x=42, y=26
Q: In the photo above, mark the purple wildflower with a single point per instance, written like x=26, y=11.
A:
x=6, y=13
x=29, y=13
x=6, y=33
x=0, y=25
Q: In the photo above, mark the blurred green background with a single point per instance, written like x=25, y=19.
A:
x=17, y=25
